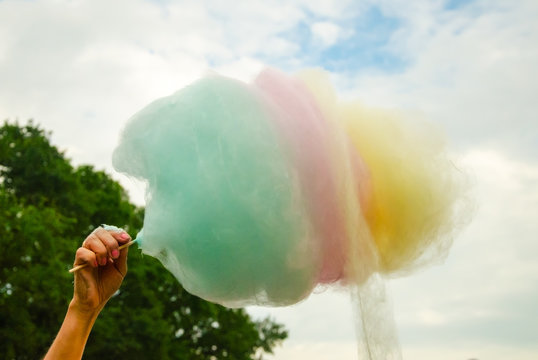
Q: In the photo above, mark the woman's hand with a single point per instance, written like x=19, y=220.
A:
x=107, y=266
x=94, y=285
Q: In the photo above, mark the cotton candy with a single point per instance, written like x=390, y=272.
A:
x=257, y=193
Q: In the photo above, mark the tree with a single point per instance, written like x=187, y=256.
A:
x=47, y=207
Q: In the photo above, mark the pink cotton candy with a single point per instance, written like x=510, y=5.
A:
x=305, y=131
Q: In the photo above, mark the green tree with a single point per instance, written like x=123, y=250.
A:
x=47, y=207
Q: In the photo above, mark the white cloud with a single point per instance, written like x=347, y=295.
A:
x=326, y=33
x=468, y=352
x=472, y=70
x=431, y=317
x=318, y=350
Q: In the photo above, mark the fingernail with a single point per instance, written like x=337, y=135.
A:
x=102, y=261
x=115, y=253
x=95, y=263
x=124, y=236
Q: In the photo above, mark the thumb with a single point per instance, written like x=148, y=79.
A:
x=121, y=262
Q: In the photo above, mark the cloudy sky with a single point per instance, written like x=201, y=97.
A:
x=81, y=68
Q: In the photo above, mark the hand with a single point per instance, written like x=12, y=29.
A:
x=107, y=266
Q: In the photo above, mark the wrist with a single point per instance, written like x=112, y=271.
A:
x=83, y=312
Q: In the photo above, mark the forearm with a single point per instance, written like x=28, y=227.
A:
x=72, y=337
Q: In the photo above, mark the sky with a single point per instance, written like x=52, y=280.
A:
x=82, y=68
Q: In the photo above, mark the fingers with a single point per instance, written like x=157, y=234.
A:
x=105, y=245
x=85, y=256
x=121, y=236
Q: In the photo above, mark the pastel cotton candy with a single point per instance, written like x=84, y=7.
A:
x=258, y=193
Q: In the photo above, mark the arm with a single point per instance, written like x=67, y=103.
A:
x=94, y=285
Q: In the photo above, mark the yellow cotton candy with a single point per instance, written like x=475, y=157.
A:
x=415, y=186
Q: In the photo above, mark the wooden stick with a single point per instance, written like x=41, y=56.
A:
x=78, y=267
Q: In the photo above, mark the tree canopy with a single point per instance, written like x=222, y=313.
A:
x=47, y=207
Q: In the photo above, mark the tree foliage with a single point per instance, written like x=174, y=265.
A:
x=47, y=207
